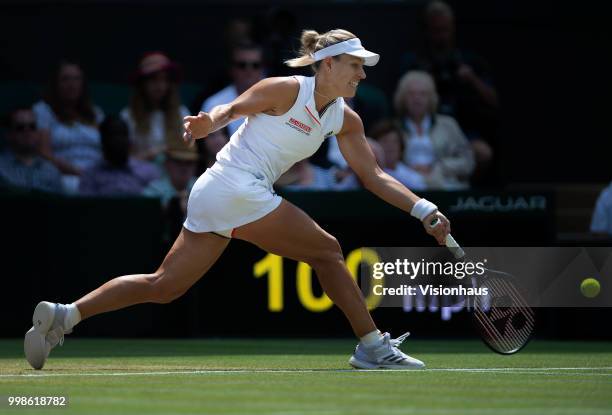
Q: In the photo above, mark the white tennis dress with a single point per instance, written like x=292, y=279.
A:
x=237, y=189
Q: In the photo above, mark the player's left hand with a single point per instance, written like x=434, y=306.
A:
x=440, y=229
x=197, y=126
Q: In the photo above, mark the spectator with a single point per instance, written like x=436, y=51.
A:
x=70, y=121
x=350, y=181
x=155, y=114
x=177, y=180
x=21, y=166
x=391, y=138
x=174, y=187
x=246, y=69
x=464, y=81
x=601, y=223
x=118, y=174
x=304, y=175
x=434, y=144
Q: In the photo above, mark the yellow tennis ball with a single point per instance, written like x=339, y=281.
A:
x=590, y=287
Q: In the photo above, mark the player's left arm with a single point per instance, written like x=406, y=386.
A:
x=359, y=156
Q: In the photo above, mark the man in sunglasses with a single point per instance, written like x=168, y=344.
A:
x=20, y=165
x=246, y=68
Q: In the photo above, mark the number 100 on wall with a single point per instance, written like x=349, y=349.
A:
x=271, y=266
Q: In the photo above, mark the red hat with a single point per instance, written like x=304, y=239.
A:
x=152, y=62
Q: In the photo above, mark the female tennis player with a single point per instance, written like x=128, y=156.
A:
x=287, y=120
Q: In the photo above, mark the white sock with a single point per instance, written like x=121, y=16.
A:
x=73, y=316
x=371, y=338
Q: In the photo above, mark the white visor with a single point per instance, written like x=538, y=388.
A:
x=350, y=47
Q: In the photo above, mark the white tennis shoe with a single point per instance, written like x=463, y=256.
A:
x=48, y=331
x=384, y=355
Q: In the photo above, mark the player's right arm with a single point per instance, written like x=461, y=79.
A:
x=272, y=96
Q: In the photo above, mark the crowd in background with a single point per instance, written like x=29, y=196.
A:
x=437, y=131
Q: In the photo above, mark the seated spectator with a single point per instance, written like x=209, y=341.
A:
x=304, y=175
x=246, y=69
x=601, y=224
x=174, y=187
x=70, y=121
x=435, y=146
x=391, y=138
x=347, y=179
x=155, y=114
x=20, y=165
x=177, y=179
x=118, y=174
x=465, y=84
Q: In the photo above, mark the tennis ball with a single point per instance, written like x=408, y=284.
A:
x=590, y=287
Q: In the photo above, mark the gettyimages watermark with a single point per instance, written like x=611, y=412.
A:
x=430, y=277
x=405, y=270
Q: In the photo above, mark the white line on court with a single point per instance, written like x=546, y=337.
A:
x=560, y=371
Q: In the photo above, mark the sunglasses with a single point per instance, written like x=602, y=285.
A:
x=247, y=64
x=24, y=127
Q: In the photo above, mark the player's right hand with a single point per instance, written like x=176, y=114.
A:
x=197, y=126
x=441, y=226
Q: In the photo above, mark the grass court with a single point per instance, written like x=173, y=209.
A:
x=240, y=376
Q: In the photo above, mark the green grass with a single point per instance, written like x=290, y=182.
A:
x=308, y=377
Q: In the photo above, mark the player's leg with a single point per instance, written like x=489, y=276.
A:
x=187, y=261
x=291, y=233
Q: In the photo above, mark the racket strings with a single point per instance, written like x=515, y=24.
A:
x=511, y=339
x=508, y=342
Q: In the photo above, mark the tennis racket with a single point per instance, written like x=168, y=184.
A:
x=503, y=318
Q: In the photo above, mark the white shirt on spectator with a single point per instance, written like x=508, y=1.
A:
x=410, y=178
x=157, y=132
x=225, y=96
x=77, y=143
x=334, y=155
x=323, y=179
x=419, y=148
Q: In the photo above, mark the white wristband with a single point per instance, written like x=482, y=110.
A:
x=422, y=209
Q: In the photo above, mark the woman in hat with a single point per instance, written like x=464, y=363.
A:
x=155, y=113
x=287, y=120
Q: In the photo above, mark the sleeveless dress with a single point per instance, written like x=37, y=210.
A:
x=237, y=189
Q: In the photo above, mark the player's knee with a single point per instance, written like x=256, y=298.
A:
x=329, y=253
x=160, y=291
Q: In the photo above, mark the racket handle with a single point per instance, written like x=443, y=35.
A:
x=451, y=244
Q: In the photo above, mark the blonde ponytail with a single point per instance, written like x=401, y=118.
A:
x=312, y=41
x=308, y=40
